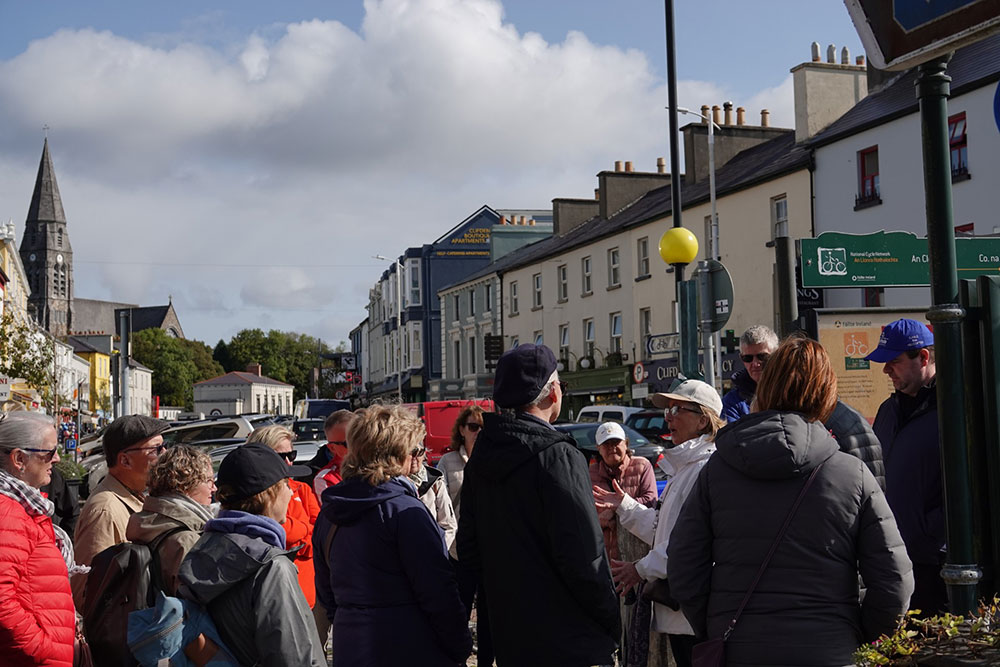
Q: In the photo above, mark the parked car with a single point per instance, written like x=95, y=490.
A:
x=651, y=424
x=307, y=408
x=585, y=436
x=439, y=418
x=308, y=429
x=304, y=450
x=598, y=414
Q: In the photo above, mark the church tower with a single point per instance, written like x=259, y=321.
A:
x=47, y=255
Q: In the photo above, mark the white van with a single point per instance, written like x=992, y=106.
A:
x=598, y=414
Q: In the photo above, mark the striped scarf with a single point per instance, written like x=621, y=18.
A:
x=35, y=504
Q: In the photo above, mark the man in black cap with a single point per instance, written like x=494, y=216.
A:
x=528, y=526
x=131, y=446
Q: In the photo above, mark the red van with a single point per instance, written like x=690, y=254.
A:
x=439, y=418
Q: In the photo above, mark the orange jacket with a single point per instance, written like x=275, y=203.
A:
x=299, y=521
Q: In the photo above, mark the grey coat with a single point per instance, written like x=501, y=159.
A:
x=806, y=608
x=252, y=592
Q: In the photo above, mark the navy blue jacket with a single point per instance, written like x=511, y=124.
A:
x=387, y=584
x=736, y=402
x=913, y=484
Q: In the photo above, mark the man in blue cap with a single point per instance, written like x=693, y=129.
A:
x=529, y=529
x=907, y=427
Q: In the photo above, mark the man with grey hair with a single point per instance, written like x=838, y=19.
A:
x=528, y=528
x=757, y=343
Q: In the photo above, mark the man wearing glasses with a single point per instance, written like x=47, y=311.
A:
x=756, y=344
x=131, y=446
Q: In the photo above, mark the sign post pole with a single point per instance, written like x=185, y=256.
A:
x=960, y=572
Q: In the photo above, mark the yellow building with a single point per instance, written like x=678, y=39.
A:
x=100, y=374
x=14, y=280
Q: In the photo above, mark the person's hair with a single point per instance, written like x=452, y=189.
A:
x=271, y=436
x=714, y=421
x=379, y=441
x=12, y=406
x=256, y=504
x=179, y=470
x=913, y=354
x=759, y=334
x=798, y=378
x=338, y=417
x=550, y=385
x=20, y=429
x=463, y=418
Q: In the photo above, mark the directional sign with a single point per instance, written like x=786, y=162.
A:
x=663, y=343
x=899, y=34
x=888, y=259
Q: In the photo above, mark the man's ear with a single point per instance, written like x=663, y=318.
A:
x=925, y=356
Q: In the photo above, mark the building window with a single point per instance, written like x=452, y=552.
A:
x=874, y=296
x=458, y=358
x=513, y=298
x=585, y=270
x=472, y=354
x=616, y=332
x=959, y=147
x=472, y=301
x=455, y=303
x=642, y=256
x=489, y=297
x=588, y=337
x=614, y=266
x=563, y=279
x=779, y=216
x=514, y=342
x=413, y=275
x=416, y=350
x=868, y=188
x=539, y=338
x=536, y=290
x=59, y=237
x=564, y=342
x=645, y=322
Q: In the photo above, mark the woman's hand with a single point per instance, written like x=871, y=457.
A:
x=625, y=575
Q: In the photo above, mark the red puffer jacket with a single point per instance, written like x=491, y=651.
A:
x=37, y=621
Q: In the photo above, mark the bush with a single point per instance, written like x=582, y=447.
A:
x=938, y=640
x=69, y=468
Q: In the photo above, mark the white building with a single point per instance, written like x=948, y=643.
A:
x=239, y=393
x=140, y=389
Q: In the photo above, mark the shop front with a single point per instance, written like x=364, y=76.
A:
x=659, y=374
x=598, y=386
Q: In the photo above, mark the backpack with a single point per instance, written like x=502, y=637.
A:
x=123, y=578
x=178, y=631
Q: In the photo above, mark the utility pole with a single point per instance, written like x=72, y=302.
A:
x=125, y=341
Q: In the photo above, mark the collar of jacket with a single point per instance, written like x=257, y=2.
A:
x=509, y=440
x=745, y=383
x=681, y=455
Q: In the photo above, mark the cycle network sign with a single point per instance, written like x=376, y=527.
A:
x=888, y=259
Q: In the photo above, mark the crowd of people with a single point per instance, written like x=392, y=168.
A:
x=788, y=529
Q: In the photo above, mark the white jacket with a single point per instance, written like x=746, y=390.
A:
x=682, y=464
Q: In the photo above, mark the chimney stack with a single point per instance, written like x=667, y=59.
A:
x=597, y=194
x=661, y=163
x=825, y=89
x=739, y=115
x=503, y=219
x=522, y=220
x=254, y=369
x=765, y=118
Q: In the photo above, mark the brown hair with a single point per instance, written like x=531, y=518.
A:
x=463, y=418
x=714, y=421
x=379, y=441
x=179, y=470
x=798, y=378
x=337, y=417
x=254, y=504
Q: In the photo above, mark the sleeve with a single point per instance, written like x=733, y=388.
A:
x=882, y=563
x=432, y=578
x=321, y=566
x=445, y=514
x=576, y=543
x=298, y=522
x=689, y=555
x=284, y=630
x=20, y=628
x=637, y=519
x=732, y=403
x=646, y=493
x=95, y=532
x=467, y=540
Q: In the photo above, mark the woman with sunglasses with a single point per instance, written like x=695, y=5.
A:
x=692, y=412
x=434, y=495
x=303, y=508
x=37, y=619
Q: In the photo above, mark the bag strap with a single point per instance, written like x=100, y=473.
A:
x=774, y=547
x=327, y=542
x=155, y=570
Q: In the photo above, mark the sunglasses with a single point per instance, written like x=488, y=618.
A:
x=563, y=386
x=419, y=451
x=342, y=443
x=45, y=455
x=674, y=409
x=762, y=357
x=289, y=456
x=159, y=449
x=473, y=426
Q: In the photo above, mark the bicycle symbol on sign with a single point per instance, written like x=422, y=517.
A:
x=832, y=261
x=854, y=347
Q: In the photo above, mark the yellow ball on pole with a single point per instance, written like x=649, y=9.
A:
x=678, y=246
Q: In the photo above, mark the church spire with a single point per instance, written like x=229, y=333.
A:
x=46, y=204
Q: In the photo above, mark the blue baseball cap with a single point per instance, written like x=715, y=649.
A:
x=899, y=337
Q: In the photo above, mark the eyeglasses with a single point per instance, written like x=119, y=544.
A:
x=342, y=443
x=674, y=409
x=418, y=451
x=762, y=357
x=563, y=386
x=473, y=426
x=159, y=449
x=289, y=456
x=45, y=455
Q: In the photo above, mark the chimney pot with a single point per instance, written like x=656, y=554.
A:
x=628, y=167
x=704, y=113
x=739, y=115
x=597, y=194
x=715, y=114
x=618, y=165
x=531, y=222
x=831, y=54
x=661, y=163
x=254, y=369
x=815, y=52
x=845, y=56
x=503, y=219
x=728, y=108
x=860, y=60
x=765, y=118
x=522, y=220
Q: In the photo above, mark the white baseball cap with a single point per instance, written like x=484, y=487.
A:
x=610, y=431
x=693, y=391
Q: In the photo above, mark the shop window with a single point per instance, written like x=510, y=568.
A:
x=959, y=147
x=869, y=193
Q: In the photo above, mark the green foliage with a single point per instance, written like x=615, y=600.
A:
x=176, y=363
x=25, y=353
x=69, y=468
x=976, y=637
x=284, y=356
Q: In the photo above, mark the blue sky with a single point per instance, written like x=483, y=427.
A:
x=247, y=157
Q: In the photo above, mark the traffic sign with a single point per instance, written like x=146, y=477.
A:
x=663, y=343
x=69, y=444
x=888, y=259
x=4, y=388
x=348, y=362
x=900, y=34
x=720, y=305
x=638, y=373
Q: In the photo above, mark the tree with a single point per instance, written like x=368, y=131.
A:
x=25, y=352
x=201, y=355
x=284, y=356
x=174, y=370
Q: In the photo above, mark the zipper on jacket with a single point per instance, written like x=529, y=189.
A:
x=159, y=634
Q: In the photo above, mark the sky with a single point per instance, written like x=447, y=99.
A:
x=248, y=158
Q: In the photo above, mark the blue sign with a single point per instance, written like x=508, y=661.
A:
x=70, y=444
x=911, y=15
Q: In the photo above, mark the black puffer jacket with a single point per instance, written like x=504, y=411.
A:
x=805, y=610
x=857, y=438
x=528, y=525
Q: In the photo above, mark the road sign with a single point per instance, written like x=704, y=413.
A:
x=900, y=34
x=4, y=388
x=69, y=444
x=348, y=362
x=638, y=373
x=888, y=259
x=640, y=391
x=720, y=306
x=663, y=343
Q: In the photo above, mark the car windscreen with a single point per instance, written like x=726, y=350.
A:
x=205, y=432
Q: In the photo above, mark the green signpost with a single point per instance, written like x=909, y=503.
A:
x=888, y=259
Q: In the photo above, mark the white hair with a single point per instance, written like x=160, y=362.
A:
x=759, y=334
x=23, y=429
x=546, y=390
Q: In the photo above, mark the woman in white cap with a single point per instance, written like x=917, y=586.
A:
x=692, y=412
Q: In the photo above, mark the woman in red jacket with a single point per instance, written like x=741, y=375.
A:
x=37, y=619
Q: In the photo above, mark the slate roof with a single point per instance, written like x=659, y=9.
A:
x=94, y=315
x=80, y=346
x=971, y=67
x=148, y=317
x=46, y=204
x=240, y=377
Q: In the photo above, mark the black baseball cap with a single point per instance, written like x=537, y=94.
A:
x=254, y=467
x=127, y=431
x=521, y=374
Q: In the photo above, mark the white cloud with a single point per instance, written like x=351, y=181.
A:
x=313, y=145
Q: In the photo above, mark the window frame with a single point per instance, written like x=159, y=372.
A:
x=779, y=224
x=614, y=268
x=642, y=257
x=586, y=278
x=562, y=281
x=564, y=342
x=414, y=291
x=960, y=144
x=869, y=185
x=536, y=291
x=645, y=323
x=615, y=341
x=514, y=305
x=589, y=334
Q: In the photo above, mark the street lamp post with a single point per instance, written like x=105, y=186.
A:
x=399, y=325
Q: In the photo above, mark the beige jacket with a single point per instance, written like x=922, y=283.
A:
x=102, y=523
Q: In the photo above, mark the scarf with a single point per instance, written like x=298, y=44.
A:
x=204, y=512
x=263, y=528
x=35, y=504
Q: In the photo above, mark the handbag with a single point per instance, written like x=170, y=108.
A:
x=712, y=653
x=81, y=649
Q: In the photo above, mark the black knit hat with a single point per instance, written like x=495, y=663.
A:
x=521, y=374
